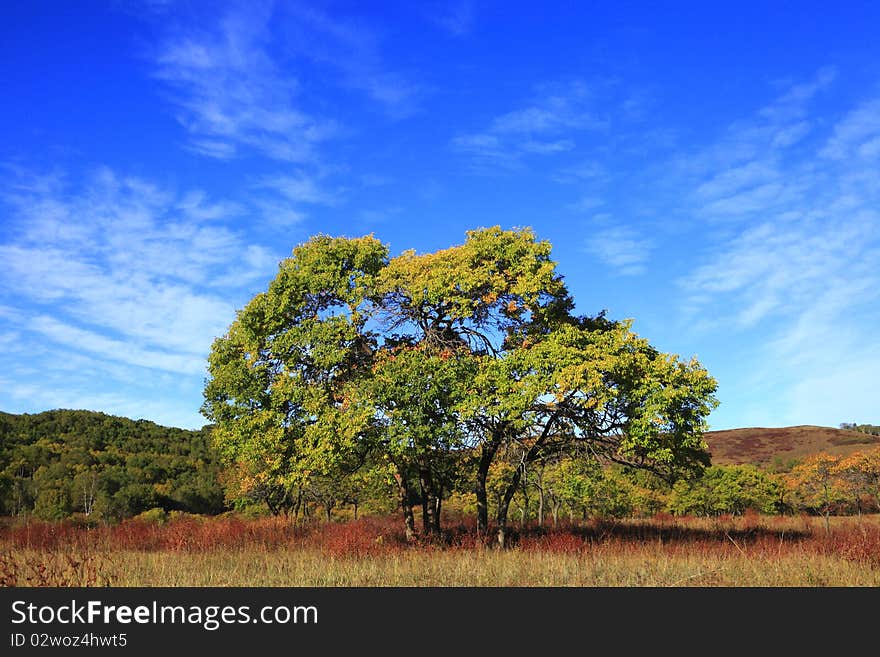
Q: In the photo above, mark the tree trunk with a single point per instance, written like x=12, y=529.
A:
x=355, y=505
x=504, y=507
x=501, y=533
x=487, y=455
x=297, y=505
x=403, y=494
x=273, y=509
x=827, y=513
x=529, y=457
x=541, y=507
x=524, y=514
x=430, y=520
x=409, y=521
x=426, y=524
x=438, y=505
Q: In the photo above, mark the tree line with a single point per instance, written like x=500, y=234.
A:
x=872, y=429
x=62, y=464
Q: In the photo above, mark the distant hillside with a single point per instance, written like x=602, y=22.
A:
x=766, y=446
x=60, y=462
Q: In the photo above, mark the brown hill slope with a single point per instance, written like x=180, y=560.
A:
x=764, y=446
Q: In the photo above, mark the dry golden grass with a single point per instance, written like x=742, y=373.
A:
x=742, y=552
x=652, y=568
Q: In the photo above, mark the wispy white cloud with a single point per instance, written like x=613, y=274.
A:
x=302, y=188
x=748, y=152
x=760, y=166
x=124, y=271
x=751, y=201
x=118, y=350
x=788, y=266
x=378, y=215
x=285, y=200
x=196, y=207
x=8, y=340
x=589, y=171
x=455, y=18
x=280, y=213
x=352, y=51
x=621, y=248
x=789, y=107
x=231, y=93
x=794, y=265
x=733, y=180
x=857, y=135
x=790, y=134
x=542, y=128
x=536, y=147
x=586, y=204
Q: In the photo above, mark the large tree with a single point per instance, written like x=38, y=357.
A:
x=423, y=359
x=276, y=375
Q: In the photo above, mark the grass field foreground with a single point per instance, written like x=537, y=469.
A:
x=747, y=551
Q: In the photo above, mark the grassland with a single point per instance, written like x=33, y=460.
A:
x=680, y=552
x=762, y=446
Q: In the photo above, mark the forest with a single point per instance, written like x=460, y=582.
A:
x=65, y=463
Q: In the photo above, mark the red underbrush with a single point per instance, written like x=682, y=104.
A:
x=750, y=535
x=861, y=543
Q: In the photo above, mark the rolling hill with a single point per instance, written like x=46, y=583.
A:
x=62, y=461
x=766, y=446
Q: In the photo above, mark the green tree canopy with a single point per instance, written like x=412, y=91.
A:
x=423, y=358
x=727, y=489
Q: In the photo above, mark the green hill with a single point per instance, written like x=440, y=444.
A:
x=71, y=461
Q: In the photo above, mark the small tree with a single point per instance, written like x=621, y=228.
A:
x=726, y=490
x=611, y=495
x=860, y=475
x=815, y=481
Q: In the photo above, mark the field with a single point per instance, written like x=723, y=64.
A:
x=663, y=551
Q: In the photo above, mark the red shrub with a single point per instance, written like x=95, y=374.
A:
x=556, y=542
x=860, y=544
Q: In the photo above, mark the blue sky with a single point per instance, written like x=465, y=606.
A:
x=711, y=170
